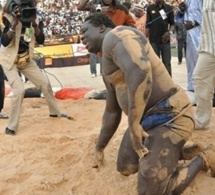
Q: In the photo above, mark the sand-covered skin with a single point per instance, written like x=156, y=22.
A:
x=54, y=156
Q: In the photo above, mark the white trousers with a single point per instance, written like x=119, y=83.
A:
x=35, y=75
x=204, y=85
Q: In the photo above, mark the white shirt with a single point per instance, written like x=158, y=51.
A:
x=207, y=41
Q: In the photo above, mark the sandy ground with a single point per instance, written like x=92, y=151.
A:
x=55, y=155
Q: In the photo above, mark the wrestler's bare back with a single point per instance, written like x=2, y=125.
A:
x=114, y=77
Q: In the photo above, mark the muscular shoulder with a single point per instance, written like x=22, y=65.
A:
x=120, y=34
x=109, y=42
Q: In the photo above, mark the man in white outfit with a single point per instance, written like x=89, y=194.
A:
x=16, y=54
x=204, y=72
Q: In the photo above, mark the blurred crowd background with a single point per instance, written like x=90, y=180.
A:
x=62, y=20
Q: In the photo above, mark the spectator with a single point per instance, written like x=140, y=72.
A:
x=192, y=19
x=159, y=26
x=2, y=76
x=180, y=30
x=117, y=12
x=140, y=20
x=16, y=54
x=204, y=72
x=128, y=5
x=2, y=94
x=93, y=63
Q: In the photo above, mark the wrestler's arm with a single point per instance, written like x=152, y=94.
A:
x=138, y=78
x=111, y=118
x=110, y=121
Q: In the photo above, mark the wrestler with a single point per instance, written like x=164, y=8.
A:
x=160, y=117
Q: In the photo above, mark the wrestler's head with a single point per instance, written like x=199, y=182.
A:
x=94, y=29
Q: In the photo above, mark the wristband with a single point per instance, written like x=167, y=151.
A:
x=11, y=30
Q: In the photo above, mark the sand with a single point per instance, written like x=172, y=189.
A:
x=55, y=155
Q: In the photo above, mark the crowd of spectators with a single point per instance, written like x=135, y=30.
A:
x=62, y=19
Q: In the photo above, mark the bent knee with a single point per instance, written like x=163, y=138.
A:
x=151, y=170
x=152, y=179
x=128, y=169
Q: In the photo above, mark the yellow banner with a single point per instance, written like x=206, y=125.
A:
x=56, y=51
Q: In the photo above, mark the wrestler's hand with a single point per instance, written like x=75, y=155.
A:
x=98, y=159
x=137, y=139
x=166, y=37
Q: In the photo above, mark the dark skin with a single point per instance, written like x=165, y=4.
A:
x=135, y=83
x=141, y=86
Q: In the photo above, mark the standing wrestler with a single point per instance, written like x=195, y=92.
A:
x=160, y=117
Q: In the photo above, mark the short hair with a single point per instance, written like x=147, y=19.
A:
x=97, y=19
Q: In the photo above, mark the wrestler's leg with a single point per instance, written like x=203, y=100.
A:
x=159, y=172
x=128, y=160
x=156, y=168
x=185, y=174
